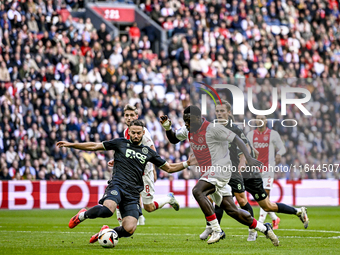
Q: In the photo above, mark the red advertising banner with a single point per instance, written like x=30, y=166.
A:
x=116, y=14
x=16, y=195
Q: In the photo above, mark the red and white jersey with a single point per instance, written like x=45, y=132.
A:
x=265, y=143
x=210, y=144
x=146, y=141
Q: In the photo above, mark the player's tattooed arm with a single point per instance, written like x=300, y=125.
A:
x=171, y=135
x=82, y=146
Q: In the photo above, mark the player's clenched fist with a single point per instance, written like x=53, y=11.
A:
x=166, y=122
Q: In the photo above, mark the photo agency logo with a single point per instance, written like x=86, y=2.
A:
x=239, y=100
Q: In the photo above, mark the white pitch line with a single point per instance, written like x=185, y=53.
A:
x=310, y=230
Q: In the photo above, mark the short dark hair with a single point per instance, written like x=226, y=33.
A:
x=193, y=110
x=137, y=123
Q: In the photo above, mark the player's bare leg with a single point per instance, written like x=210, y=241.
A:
x=201, y=190
x=245, y=218
x=141, y=219
x=244, y=204
x=155, y=205
x=263, y=214
x=127, y=228
x=129, y=225
x=99, y=211
x=269, y=206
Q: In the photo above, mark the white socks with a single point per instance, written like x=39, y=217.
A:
x=260, y=227
x=298, y=211
x=272, y=215
x=119, y=217
x=161, y=202
x=215, y=226
x=263, y=215
x=82, y=216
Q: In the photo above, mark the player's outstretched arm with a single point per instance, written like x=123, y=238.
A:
x=171, y=135
x=82, y=146
x=176, y=167
x=251, y=161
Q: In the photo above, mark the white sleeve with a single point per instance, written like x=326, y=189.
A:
x=182, y=133
x=250, y=136
x=220, y=133
x=278, y=143
x=147, y=140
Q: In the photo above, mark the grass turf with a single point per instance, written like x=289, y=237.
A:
x=165, y=232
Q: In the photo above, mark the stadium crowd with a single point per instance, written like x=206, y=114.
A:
x=64, y=80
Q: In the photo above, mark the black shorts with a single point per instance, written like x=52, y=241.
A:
x=128, y=200
x=255, y=187
x=236, y=183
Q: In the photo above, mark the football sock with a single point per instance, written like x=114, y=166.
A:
x=122, y=232
x=219, y=213
x=283, y=208
x=213, y=222
x=119, y=216
x=298, y=211
x=263, y=215
x=95, y=212
x=272, y=215
x=248, y=208
x=161, y=202
x=258, y=226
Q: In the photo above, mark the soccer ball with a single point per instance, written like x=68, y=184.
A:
x=108, y=238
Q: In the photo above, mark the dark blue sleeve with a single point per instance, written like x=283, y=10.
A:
x=156, y=159
x=112, y=144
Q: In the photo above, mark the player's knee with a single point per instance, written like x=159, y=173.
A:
x=270, y=207
x=242, y=201
x=130, y=230
x=110, y=204
x=196, y=192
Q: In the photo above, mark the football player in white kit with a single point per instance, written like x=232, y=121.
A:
x=150, y=175
x=265, y=141
x=210, y=143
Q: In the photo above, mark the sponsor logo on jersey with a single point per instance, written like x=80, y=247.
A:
x=261, y=145
x=145, y=150
x=256, y=139
x=197, y=147
x=135, y=154
x=114, y=192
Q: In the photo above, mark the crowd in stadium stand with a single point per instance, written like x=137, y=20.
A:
x=65, y=80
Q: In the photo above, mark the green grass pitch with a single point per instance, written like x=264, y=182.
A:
x=166, y=232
